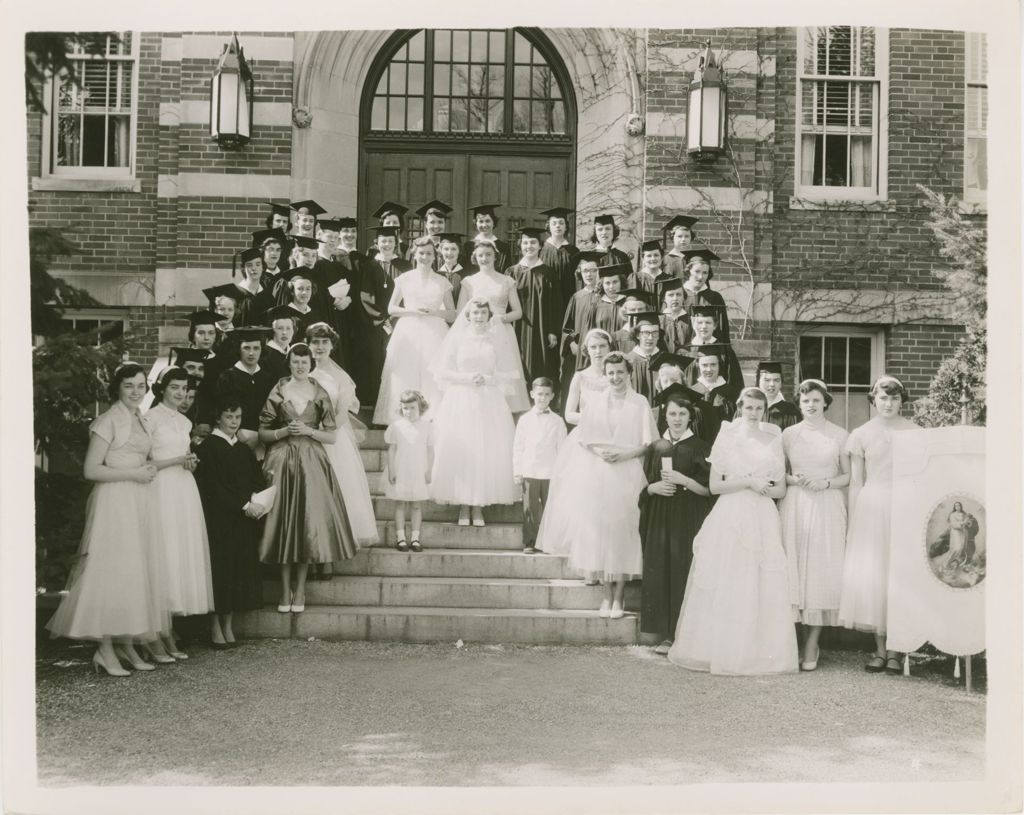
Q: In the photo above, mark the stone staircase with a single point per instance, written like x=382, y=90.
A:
x=468, y=583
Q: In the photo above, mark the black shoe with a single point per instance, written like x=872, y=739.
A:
x=402, y=546
x=416, y=546
x=220, y=646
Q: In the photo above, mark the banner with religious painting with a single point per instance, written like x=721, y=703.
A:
x=939, y=541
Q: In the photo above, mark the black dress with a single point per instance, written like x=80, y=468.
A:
x=783, y=414
x=668, y=526
x=563, y=260
x=578, y=320
x=227, y=476
x=251, y=389
x=539, y=297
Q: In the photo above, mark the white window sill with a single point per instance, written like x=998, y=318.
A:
x=851, y=204
x=973, y=207
x=54, y=183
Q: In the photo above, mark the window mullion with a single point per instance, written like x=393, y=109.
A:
x=510, y=66
x=428, y=80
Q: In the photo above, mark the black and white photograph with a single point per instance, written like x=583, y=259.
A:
x=507, y=403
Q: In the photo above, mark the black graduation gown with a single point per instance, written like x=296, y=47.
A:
x=716, y=407
x=606, y=315
x=783, y=414
x=578, y=320
x=728, y=367
x=538, y=295
x=353, y=323
x=642, y=377
x=227, y=476
x=455, y=277
x=252, y=390
x=501, y=259
x=275, y=364
x=206, y=393
x=614, y=256
x=252, y=308
x=674, y=332
x=304, y=321
x=376, y=292
x=563, y=260
x=622, y=340
x=392, y=269
x=668, y=526
x=654, y=286
x=709, y=297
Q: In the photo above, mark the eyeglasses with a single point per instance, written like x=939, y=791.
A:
x=652, y=333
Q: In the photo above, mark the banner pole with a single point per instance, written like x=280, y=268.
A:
x=967, y=666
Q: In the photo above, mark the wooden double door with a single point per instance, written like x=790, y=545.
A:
x=524, y=185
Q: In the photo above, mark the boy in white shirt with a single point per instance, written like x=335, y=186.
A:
x=539, y=433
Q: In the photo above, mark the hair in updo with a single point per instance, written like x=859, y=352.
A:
x=887, y=383
x=756, y=394
x=478, y=302
x=809, y=385
x=301, y=349
x=699, y=261
x=597, y=332
x=167, y=376
x=126, y=370
x=322, y=331
x=410, y=395
x=423, y=241
x=618, y=358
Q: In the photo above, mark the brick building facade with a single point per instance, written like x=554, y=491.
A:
x=834, y=279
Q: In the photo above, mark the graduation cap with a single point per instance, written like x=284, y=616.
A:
x=668, y=358
x=280, y=313
x=705, y=310
x=298, y=271
x=308, y=208
x=182, y=355
x=485, y=209
x=204, y=317
x=650, y=246
x=680, y=220
x=347, y=222
x=247, y=255
x=671, y=285
x=530, y=232
x=251, y=333
x=261, y=236
x=768, y=366
x=435, y=205
x=677, y=389
x=604, y=220
x=306, y=243
x=616, y=269
x=390, y=208
x=636, y=294
x=649, y=317
x=331, y=224
x=557, y=212
x=383, y=232
x=226, y=290
x=713, y=349
x=453, y=237
x=702, y=253
x=280, y=209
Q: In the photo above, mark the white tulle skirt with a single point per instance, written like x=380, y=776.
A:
x=506, y=347
x=592, y=513
x=473, y=447
x=412, y=351
x=348, y=469
x=182, y=542
x=738, y=614
x=863, y=598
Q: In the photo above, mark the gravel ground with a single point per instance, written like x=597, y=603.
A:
x=286, y=712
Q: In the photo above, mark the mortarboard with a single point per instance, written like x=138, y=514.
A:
x=247, y=255
x=250, y=333
x=390, y=208
x=485, y=209
x=280, y=313
x=261, y=236
x=226, y=290
x=680, y=220
x=667, y=358
x=204, y=317
x=331, y=224
x=768, y=366
x=280, y=209
x=591, y=257
x=604, y=220
x=671, y=285
x=438, y=206
x=705, y=310
x=383, y=231
x=452, y=237
x=703, y=253
x=650, y=246
x=530, y=232
x=308, y=208
x=649, y=317
x=636, y=294
x=298, y=271
x=347, y=222
x=677, y=389
x=557, y=212
x=306, y=243
x=183, y=355
x=619, y=269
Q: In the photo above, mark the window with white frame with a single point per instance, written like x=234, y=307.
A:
x=91, y=125
x=842, y=90
x=102, y=325
x=975, y=117
x=847, y=360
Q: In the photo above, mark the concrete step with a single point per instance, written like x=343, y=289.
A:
x=386, y=562
x=444, y=535
x=427, y=624
x=374, y=440
x=373, y=460
x=455, y=592
x=384, y=508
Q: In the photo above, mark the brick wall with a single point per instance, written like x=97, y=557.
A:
x=914, y=352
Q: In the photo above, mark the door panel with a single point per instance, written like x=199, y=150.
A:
x=524, y=185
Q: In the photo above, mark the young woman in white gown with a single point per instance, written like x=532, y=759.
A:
x=473, y=424
x=863, y=599
x=500, y=291
x=344, y=455
x=593, y=514
x=422, y=302
x=814, y=513
x=182, y=541
x=738, y=609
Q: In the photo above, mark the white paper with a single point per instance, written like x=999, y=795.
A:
x=666, y=463
x=264, y=498
x=339, y=289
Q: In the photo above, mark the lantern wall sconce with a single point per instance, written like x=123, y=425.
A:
x=231, y=92
x=705, y=117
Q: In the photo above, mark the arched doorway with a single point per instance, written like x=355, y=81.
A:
x=468, y=116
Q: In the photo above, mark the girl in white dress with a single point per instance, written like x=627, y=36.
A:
x=183, y=543
x=344, y=455
x=814, y=513
x=409, y=463
x=593, y=514
x=500, y=291
x=863, y=598
x=474, y=427
x=422, y=301
x=738, y=614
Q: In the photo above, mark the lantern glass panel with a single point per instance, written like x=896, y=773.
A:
x=227, y=112
x=711, y=136
x=693, y=119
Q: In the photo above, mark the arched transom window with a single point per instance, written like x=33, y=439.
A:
x=460, y=81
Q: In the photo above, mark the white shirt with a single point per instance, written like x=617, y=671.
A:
x=538, y=437
x=245, y=370
x=698, y=341
x=232, y=440
x=273, y=344
x=778, y=398
x=712, y=385
x=667, y=436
